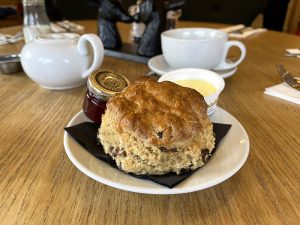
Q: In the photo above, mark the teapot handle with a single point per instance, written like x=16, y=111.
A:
x=98, y=49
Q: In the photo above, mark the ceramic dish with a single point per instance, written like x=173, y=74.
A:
x=158, y=65
x=198, y=74
x=10, y=64
x=228, y=159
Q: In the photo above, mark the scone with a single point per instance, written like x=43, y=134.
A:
x=157, y=128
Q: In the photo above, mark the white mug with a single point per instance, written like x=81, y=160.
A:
x=63, y=60
x=199, y=48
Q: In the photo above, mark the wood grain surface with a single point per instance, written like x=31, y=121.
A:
x=39, y=184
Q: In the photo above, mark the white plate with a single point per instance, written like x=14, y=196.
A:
x=228, y=159
x=159, y=65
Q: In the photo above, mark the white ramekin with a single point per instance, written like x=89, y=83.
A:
x=199, y=74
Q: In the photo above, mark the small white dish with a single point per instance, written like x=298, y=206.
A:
x=199, y=74
x=230, y=156
x=159, y=65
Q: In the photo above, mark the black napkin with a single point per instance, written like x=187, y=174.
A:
x=86, y=135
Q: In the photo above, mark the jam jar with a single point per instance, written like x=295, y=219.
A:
x=101, y=85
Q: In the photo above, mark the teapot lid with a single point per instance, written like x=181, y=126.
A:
x=105, y=83
x=57, y=36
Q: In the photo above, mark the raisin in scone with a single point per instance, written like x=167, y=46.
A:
x=157, y=128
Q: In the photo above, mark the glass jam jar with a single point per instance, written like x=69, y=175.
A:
x=101, y=85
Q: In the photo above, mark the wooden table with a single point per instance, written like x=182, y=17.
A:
x=39, y=184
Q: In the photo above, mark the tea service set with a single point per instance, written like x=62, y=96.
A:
x=59, y=61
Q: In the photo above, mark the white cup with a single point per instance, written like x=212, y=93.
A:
x=199, y=48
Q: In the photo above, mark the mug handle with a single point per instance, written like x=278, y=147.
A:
x=223, y=65
x=98, y=49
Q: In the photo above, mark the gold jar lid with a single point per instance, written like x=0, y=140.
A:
x=105, y=83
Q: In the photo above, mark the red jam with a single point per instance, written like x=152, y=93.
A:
x=93, y=107
x=101, y=85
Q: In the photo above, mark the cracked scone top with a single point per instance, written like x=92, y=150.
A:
x=156, y=128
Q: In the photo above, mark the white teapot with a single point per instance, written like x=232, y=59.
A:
x=62, y=61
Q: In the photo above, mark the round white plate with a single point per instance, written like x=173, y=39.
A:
x=228, y=159
x=159, y=65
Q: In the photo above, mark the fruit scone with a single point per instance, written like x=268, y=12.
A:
x=156, y=128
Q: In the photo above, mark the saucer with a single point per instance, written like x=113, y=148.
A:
x=229, y=158
x=158, y=65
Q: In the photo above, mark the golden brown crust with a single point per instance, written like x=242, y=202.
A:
x=163, y=114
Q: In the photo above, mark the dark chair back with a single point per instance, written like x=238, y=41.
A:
x=223, y=11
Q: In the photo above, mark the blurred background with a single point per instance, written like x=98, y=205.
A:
x=280, y=15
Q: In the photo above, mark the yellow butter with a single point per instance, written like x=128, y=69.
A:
x=201, y=86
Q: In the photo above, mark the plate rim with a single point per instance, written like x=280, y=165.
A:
x=160, y=72
x=159, y=191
